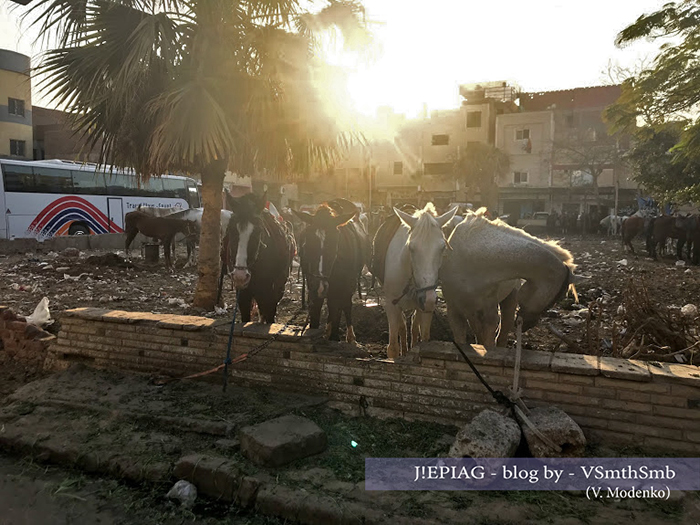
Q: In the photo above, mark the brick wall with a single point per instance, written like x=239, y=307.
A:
x=616, y=402
x=21, y=341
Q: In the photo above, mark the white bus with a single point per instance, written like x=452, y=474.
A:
x=46, y=198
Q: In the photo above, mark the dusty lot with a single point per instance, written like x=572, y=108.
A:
x=607, y=321
x=121, y=427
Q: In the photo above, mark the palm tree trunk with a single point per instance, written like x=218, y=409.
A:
x=209, y=264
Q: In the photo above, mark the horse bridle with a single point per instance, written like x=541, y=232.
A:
x=261, y=245
x=416, y=291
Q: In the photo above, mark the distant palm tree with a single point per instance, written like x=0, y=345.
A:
x=199, y=86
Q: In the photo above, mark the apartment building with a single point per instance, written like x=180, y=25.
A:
x=15, y=106
x=559, y=148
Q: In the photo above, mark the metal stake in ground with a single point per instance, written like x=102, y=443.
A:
x=227, y=361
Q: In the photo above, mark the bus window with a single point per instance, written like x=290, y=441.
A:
x=174, y=188
x=121, y=184
x=153, y=187
x=89, y=182
x=52, y=180
x=193, y=198
x=18, y=178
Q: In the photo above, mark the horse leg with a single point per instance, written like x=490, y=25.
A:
x=679, y=248
x=415, y=328
x=350, y=331
x=508, y=307
x=167, y=245
x=315, y=306
x=130, y=236
x=334, y=312
x=396, y=321
x=423, y=321
x=487, y=323
x=458, y=325
x=245, y=304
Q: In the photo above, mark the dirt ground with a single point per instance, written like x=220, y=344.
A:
x=125, y=417
x=597, y=325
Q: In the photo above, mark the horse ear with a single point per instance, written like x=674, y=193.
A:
x=342, y=220
x=304, y=216
x=408, y=220
x=446, y=217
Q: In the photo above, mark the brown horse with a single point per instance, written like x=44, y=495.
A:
x=663, y=229
x=161, y=228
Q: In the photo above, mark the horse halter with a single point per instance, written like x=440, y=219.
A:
x=416, y=291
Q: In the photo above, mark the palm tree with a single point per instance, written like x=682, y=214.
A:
x=199, y=86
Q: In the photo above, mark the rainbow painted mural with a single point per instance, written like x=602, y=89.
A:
x=57, y=217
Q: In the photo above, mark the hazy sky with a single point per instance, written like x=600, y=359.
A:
x=425, y=49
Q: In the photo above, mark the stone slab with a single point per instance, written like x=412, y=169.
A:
x=585, y=365
x=683, y=374
x=631, y=370
x=282, y=440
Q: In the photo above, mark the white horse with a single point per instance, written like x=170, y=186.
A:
x=195, y=215
x=413, y=259
x=486, y=267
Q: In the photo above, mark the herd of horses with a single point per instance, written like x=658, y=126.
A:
x=657, y=231
x=486, y=269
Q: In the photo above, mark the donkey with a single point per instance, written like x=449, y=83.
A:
x=332, y=252
x=259, y=247
x=486, y=266
x=412, y=259
x=162, y=228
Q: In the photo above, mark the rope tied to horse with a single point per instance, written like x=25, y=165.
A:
x=227, y=360
x=513, y=402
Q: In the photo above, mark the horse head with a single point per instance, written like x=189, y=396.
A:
x=246, y=233
x=320, y=244
x=426, y=244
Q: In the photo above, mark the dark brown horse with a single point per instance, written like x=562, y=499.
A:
x=161, y=228
x=333, y=251
x=664, y=228
x=260, y=254
x=690, y=225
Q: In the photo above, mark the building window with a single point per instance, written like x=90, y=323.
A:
x=441, y=140
x=520, y=177
x=15, y=107
x=398, y=168
x=473, y=119
x=522, y=134
x=17, y=147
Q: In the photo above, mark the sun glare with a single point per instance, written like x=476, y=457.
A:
x=350, y=92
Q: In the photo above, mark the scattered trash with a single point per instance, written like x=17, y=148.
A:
x=680, y=263
x=690, y=310
x=185, y=492
x=41, y=316
x=623, y=262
